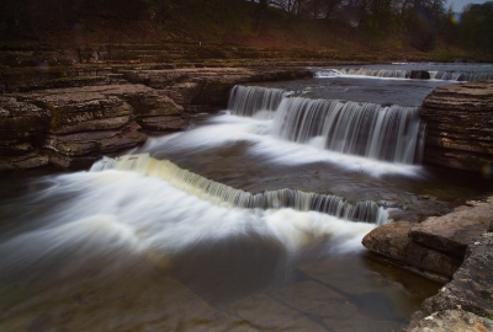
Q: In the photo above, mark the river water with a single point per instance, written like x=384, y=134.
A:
x=250, y=220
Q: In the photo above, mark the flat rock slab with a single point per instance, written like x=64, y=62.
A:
x=453, y=232
x=392, y=241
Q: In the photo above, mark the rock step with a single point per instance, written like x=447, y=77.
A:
x=436, y=246
x=70, y=126
x=459, y=127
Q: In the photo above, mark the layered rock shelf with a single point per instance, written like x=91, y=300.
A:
x=67, y=109
x=459, y=127
x=456, y=248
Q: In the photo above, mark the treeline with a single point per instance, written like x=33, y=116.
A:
x=423, y=24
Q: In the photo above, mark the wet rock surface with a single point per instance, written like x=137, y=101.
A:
x=436, y=247
x=392, y=241
x=452, y=320
x=70, y=126
x=459, y=126
x=452, y=233
x=465, y=303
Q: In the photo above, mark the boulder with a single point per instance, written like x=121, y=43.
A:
x=419, y=74
x=465, y=303
x=470, y=288
x=459, y=126
x=436, y=247
x=392, y=241
x=453, y=232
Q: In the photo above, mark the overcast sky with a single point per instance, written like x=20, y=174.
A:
x=458, y=5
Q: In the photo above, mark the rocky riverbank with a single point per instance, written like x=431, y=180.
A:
x=458, y=247
x=459, y=127
x=67, y=108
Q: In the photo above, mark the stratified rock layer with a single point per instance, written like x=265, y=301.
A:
x=435, y=248
x=469, y=295
x=71, y=127
x=392, y=241
x=452, y=233
x=459, y=126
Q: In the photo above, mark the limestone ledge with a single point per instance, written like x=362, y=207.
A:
x=71, y=127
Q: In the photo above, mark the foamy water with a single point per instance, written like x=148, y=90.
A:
x=227, y=129
x=114, y=215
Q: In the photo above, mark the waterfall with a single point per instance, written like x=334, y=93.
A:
x=366, y=211
x=390, y=133
x=352, y=71
x=444, y=75
x=460, y=75
x=248, y=100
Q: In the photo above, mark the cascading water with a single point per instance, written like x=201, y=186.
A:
x=219, y=193
x=389, y=133
x=445, y=75
x=248, y=100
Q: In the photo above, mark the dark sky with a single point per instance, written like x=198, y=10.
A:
x=458, y=5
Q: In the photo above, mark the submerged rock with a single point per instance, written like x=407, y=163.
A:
x=419, y=74
x=459, y=127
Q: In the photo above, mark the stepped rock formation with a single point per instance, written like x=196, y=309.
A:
x=459, y=132
x=435, y=248
x=68, y=108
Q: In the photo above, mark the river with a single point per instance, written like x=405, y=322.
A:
x=252, y=219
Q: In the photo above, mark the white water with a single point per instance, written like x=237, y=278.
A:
x=113, y=215
x=225, y=130
x=443, y=75
x=248, y=100
x=388, y=133
x=221, y=194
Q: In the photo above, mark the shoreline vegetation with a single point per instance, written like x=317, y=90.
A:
x=367, y=31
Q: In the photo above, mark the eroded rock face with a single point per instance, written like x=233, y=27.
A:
x=470, y=289
x=393, y=242
x=452, y=320
x=71, y=127
x=452, y=233
x=23, y=127
x=465, y=303
x=459, y=126
x=458, y=245
x=436, y=247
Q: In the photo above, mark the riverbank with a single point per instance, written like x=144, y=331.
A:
x=72, y=121
x=455, y=248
